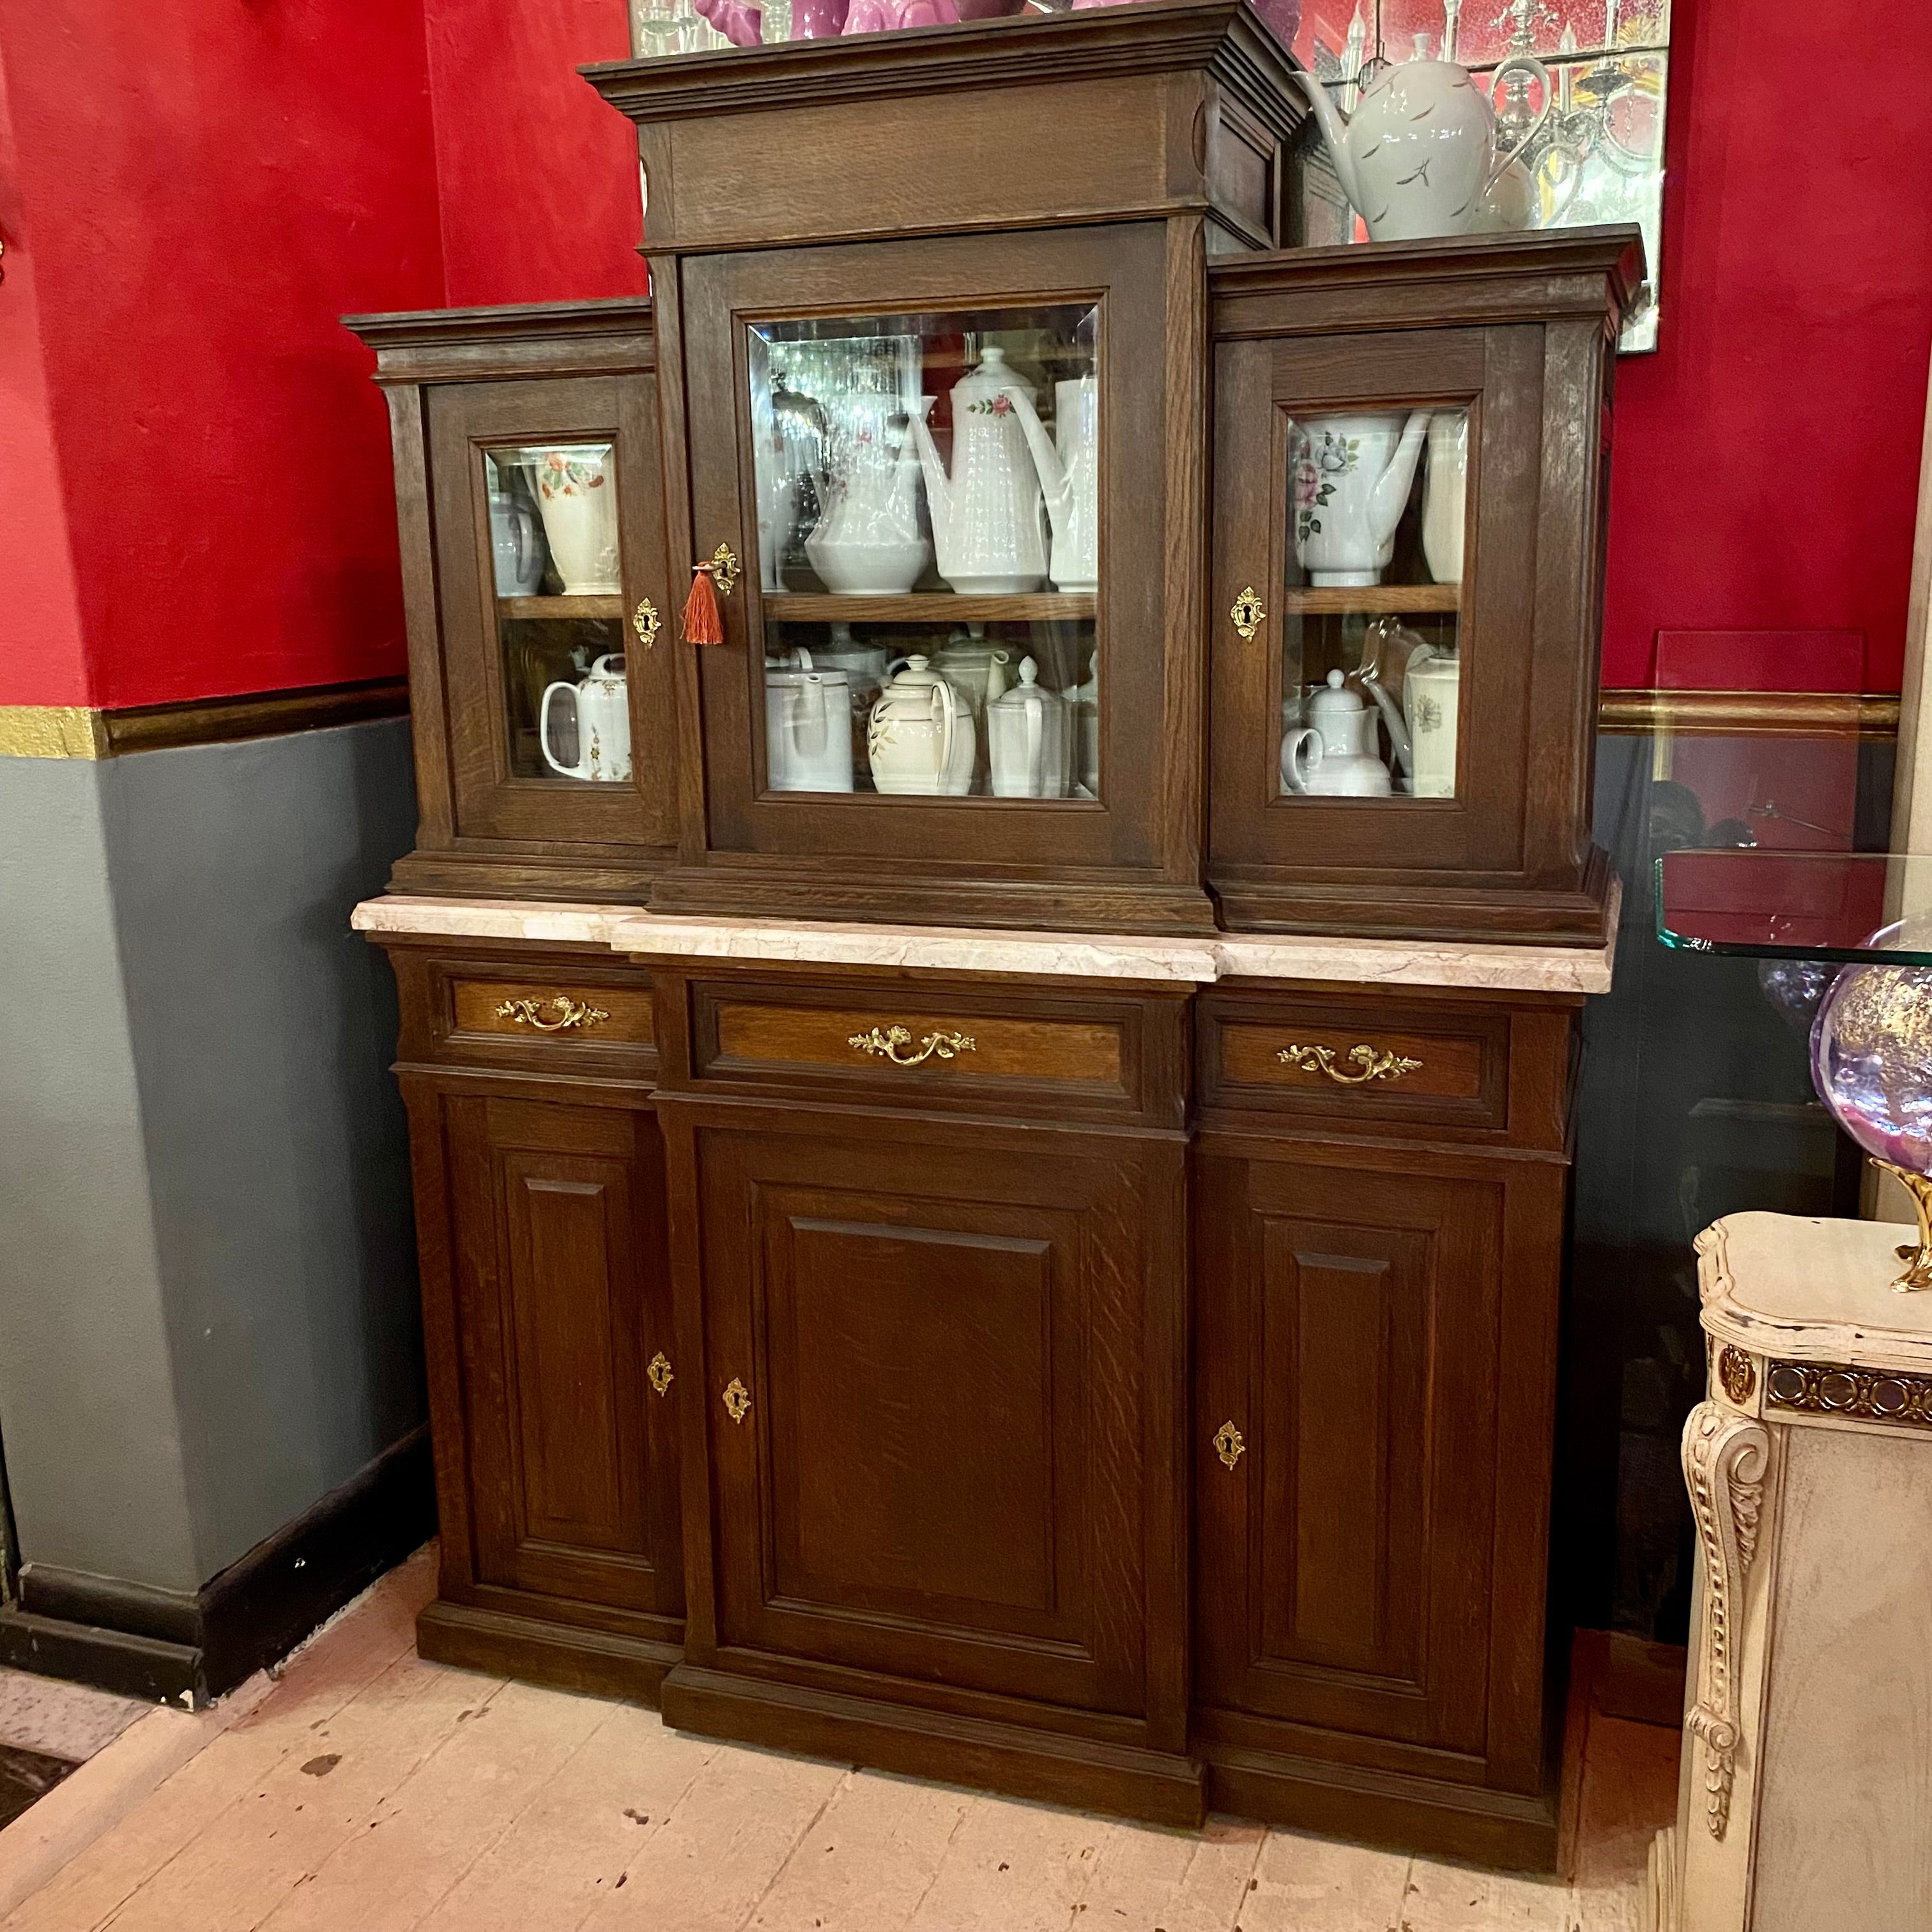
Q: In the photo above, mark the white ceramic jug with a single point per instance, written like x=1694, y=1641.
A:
x=1352, y=477
x=1432, y=693
x=1445, y=494
x=1334, y=755
x=868, y=542
x=1069, y=478
x=1029, y=739
x=920, y=738
x=988, y=517
x=516, y=539
x=1418, y=156
x=579, y=503
x=808, y=728
x=603, y=724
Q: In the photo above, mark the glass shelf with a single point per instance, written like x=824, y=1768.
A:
x=1793, y=905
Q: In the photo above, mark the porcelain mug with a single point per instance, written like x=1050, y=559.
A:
x=603, y=724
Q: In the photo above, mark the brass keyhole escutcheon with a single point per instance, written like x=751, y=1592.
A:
x=1248, y=614
x=645, y=621
x=660, y=1373
x=1229, y=1445
x=725, y=569
x=737, y=1400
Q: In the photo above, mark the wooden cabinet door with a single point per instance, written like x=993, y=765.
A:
x=1348, y=1321
x=946, y=1351
x=502, y=652
x=562, y=1302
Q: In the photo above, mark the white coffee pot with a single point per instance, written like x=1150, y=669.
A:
x=1334, y=755
x=920, y=738
x=1418, y=156
x=988, y=517
x=808, y=728
x=1352, y=477
x=603, y=706
x=1431, y=693
x=1445, y=494
x=1029, y=739
x=1069, y=478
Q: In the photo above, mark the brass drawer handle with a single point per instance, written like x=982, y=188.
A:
x=737, y=1400
x=1374, y=1065
x=1228, y=1444
x=660, y=1373
x=569, y=1013
x=1248, y=614
x=645, y=620
x=889, y=1043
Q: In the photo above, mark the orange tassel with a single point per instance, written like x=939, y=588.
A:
x=702, y=622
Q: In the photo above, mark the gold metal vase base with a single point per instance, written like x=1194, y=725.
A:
x=1918, y=1260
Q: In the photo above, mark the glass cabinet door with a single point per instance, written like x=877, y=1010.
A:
x=551, y=563
x=1368, y=677
x=941, y=464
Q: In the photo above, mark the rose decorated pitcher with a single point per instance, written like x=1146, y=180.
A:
x=603, y=706
x=1069, y=478
x=1418, y=156
x=1351, y=476
x=988, y=517
x=579, y=503
x=920, y=738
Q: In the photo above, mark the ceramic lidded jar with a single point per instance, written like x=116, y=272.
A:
x=603, y=704
x=1334, y=755
x=919, y=738
x=1029, y=739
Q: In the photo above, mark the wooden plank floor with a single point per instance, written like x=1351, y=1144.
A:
x=368, y=1789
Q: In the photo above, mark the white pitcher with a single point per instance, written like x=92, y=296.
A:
x=1029, y=739
x=1069, y=478
x=1352, y=476
x=1431, y=693
x=920, y=738
x=1334, y=755
x=603, y=724
x=1445, y=494
x=578, y=499
x=988, y=524
x=808, y=728
x=868, y=543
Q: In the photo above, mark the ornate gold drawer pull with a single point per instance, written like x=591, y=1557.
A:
x=1227, y=1444
x=660, y=1373
x=645, y=621
x=893, y=1039
x=1248, y=614
x=1374, y=1065
x=737, y=1400
x=569, y=1013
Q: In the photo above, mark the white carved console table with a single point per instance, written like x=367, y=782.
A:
x=1805, y=1800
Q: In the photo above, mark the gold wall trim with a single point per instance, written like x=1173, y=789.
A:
x=74, y=731
x=1809, y=714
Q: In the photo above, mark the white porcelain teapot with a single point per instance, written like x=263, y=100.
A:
x=988, y=520
x=808, y=728
x=1352, y=477
x=1029, y=739
x=1418, y=156
x=1334, y=755
x=919, y=738
x=1431, y=695
x=603, y=706
x=1069, y=478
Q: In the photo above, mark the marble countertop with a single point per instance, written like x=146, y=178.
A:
x=1083, y=955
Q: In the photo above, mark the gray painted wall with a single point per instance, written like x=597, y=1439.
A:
x=250, y=1152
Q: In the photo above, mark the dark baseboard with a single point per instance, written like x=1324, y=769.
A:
x=164, y=1644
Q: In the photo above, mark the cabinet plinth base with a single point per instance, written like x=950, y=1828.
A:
x=1161, y=1788
x=1412, y=1814
x=599, y=1662
x=767, y=890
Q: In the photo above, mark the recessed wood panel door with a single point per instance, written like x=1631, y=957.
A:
x=563, y=1303
x=1347, y=1329
x=940, y=1473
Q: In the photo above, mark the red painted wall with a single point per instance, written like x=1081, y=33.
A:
x=1767, y=458
x=536, y=177
x=199, y=191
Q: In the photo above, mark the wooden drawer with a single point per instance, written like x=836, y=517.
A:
x=1001, y=1048
x=532, y=1006
x=1493, y=1069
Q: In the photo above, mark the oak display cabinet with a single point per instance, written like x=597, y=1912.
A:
x=938, y=1247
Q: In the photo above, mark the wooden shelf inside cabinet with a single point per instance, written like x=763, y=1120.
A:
x=937, y=607
x=561, y=607
x=1397, y=598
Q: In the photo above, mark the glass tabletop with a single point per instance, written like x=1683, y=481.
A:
x=1797, y=904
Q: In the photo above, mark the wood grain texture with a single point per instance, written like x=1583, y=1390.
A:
x=1019, y=1048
